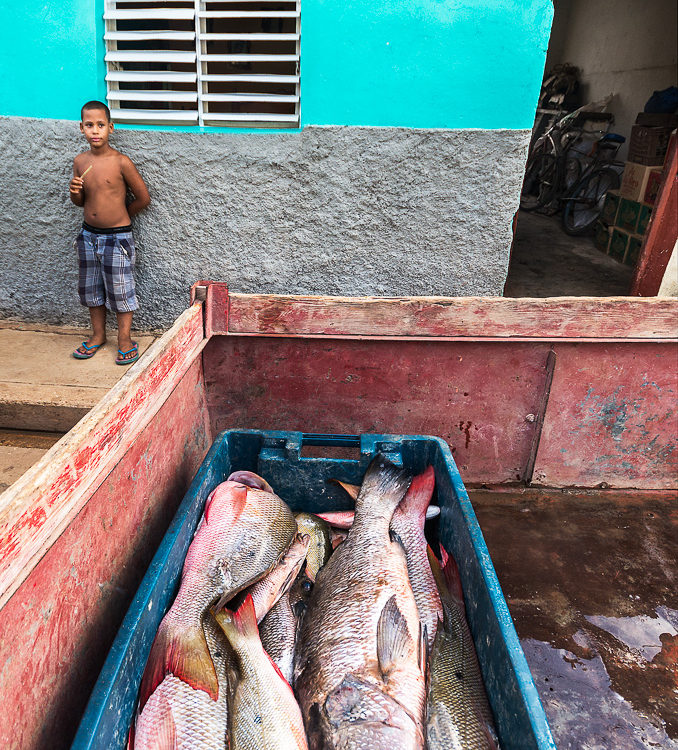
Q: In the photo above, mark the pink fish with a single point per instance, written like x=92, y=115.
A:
x=242, y=535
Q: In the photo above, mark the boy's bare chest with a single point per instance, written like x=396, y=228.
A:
x=104, y=180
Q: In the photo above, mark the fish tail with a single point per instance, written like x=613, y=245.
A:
x=452, y=576
x=419, y=495
x=338, y=519
x=180, y=650
x=241, y=624
x=384, y=486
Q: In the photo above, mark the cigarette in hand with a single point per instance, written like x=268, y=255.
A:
x=86, y=171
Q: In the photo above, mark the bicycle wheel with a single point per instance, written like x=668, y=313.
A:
x=584, y=205
x=540, y=182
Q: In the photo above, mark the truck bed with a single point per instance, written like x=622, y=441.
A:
x=538, y=394
x=590, y=580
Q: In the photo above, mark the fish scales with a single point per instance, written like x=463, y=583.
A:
x=243, y=533
x=408, y=523
x=263, y=713
x=458, y=712
x=353, y=694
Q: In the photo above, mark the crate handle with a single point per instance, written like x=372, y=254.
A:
x=346, y=441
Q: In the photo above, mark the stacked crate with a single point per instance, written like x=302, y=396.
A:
x=626, y=212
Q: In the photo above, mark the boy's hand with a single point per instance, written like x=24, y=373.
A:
x=76, y=185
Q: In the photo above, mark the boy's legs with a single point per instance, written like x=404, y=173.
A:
x=125, y=335
x=97, y=316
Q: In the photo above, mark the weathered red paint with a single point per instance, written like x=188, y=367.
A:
x=457, y=317
x=40, y=505
x=611, y=417
x=57, y=628
x=474, y=372
x=476, y=396
x=662, y=231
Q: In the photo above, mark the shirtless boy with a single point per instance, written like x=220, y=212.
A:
x=101, y=178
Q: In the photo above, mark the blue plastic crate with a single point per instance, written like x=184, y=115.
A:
x=302, y=482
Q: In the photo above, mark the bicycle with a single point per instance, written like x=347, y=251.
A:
x=583, y=205
x=554, y=166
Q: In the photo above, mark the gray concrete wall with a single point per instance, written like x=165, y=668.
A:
x=625, y=47
x=351, y=211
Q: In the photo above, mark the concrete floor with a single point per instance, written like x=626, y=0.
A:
x=44, y=391
x=546, y=262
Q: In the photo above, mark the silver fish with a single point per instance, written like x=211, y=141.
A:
x=360, y=670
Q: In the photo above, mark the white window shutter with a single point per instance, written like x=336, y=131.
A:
x=203, y=62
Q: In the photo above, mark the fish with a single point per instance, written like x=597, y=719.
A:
x=458, y=712
x=243, y=533
x=263, y=713
x=266, y=592
x=279, y=629
x=343, y=519
x=250, y=479
x=408, y=523
x=179, y=716
x=359, y=675
x=321, y=546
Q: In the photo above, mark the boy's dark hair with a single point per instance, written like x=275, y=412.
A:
x=95, y=105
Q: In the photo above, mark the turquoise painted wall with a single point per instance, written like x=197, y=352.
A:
x=51, y=57
x=423, y=63
x=409, y=63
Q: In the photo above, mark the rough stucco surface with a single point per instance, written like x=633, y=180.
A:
x=336, y=210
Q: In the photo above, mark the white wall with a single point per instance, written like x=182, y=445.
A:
x=623, y=46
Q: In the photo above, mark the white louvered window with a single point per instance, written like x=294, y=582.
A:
x=203, y=62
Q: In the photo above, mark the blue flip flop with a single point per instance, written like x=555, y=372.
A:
x=90, y=351
x=119, y=361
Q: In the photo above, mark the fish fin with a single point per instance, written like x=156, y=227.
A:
x=437, y=572
x=352, y=490
x=239, y=624
x=452, y=576
x=162, y=732
x=419, y=495
x=338, y=519
x=384, y=482
x=393, y=637
x=422, y=647
x=183, y=652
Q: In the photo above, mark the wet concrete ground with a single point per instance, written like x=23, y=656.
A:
x=546, y=262
x=590, y=580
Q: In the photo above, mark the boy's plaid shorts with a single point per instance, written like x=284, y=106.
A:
x=106, y=262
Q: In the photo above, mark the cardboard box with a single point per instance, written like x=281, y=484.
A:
x=633, y=249
x=602, y=236
x=643, y=218
x=648, y=145
x=619, y=243
x=610, y=207
x=653, y=182
x=628, y=214
x=635, y=179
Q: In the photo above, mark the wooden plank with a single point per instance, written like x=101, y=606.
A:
x=611, y=417
x=59, y=625
x=662, y=231
x=473, y=317
x=37, y=508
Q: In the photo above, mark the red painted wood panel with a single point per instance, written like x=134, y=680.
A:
x=39, y=506
x=56, y=630
x=457, y=317
x=611, y=417
x=662, y=231
x=476, y=396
